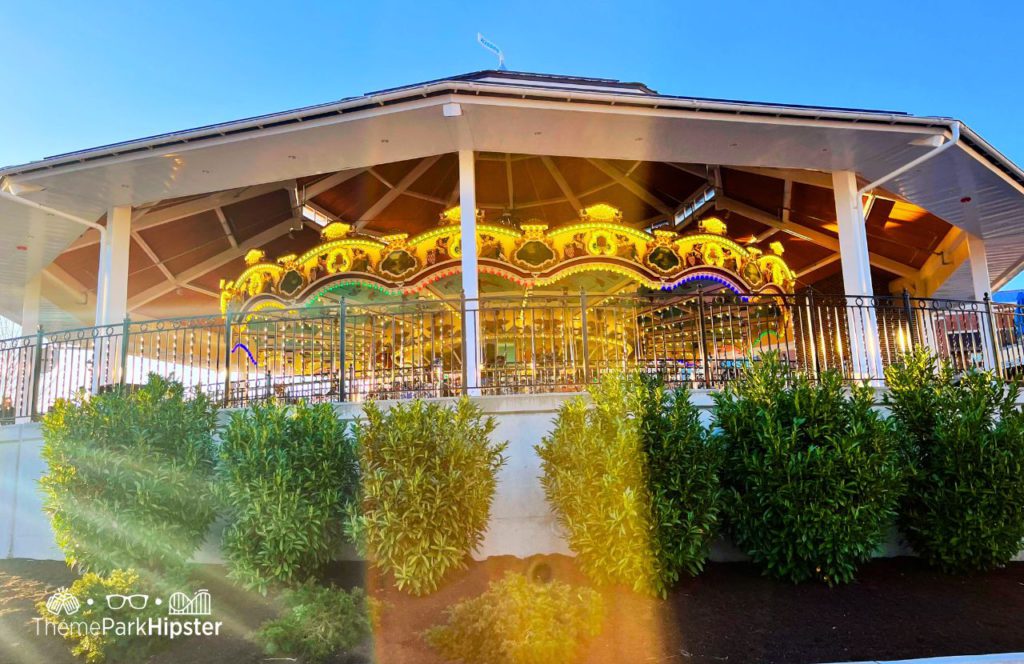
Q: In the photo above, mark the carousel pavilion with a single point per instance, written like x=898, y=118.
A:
x=500, y=233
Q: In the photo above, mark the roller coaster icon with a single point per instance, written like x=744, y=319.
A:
x=180, y=604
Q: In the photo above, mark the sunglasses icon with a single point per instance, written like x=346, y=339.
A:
x=137, y=602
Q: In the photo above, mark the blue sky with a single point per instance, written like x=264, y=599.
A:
x=81, y=74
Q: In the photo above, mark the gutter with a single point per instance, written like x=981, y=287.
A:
x=320, y=112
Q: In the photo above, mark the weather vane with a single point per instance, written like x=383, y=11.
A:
x=493, y=48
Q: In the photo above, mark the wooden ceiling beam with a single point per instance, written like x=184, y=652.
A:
x=631, y=185
x=153, y=257
x=226, y=226
x=211, y=263
x=817, y=265
x=396, y=190
x=560, y=180
x=313, y=190
x=812, y=234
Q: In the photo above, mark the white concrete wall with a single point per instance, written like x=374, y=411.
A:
x=522, y=523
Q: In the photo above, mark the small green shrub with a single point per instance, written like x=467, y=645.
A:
x=288, y=474
x=519, y=622
x=634, y=482
x=109, y=646
x=428, y=478
x=964, y=508
x=320, y=623
x=812, y=473
x=683, y=465
x=128, y=482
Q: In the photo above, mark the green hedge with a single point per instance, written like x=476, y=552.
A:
x=964, y=436
x=633, y=481
x=129, y=477
x=287, y=476
x=813, y=472
x=519, y=622
x=429, y=473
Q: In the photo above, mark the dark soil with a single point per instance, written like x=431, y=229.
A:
x=897, y=609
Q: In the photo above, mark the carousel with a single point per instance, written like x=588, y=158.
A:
x=383, y=316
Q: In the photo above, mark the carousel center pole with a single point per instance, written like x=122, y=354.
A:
x=470, y=277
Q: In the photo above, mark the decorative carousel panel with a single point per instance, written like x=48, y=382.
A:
x=528, y=256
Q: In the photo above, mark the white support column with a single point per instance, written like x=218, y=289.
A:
x=30, y=305
x=853, y=254
x=112, y=281
x=112, y=294
x=25, y=374
x=470, y=275
x=982, y=286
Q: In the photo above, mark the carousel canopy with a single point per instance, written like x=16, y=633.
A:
x=547, y=148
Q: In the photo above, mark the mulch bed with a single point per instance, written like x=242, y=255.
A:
x=897, y=609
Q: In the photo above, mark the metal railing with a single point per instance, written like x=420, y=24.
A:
x=534, y=344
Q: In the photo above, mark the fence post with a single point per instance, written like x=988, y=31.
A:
x=994, y=336
x=811, y=307
x=227, y=358
x=586, y=338
x=909, y=311
x=342, y=321
x=465, y=370
x=703, y=338
x=123, y=371
x=37, y=370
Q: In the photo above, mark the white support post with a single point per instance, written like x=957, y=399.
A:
x=982, y=285
x=112, y=293
x=470, y=276
x=865, y=351
x=29, y=327
x=30, y=305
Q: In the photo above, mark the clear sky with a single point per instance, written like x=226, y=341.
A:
x=82, y=74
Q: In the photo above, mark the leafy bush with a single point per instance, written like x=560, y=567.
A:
x=109, y=646
x=129, y=476
x=288, y=474
x=519, y=622
x=813, y=475
x=633, y=480
x=320, y=623
x=428, y=478
x=683, y=465
x=964, y=509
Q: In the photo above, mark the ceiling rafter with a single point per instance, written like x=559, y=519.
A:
x=226, y=226
x=396, y=190
x=631, y=185
x=153, y=257
x=817, y=237
x=212, y=263
x=509, y=182
x=560, y=180
x=330, y=182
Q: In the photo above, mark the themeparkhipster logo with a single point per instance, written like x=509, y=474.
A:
x=187, y=615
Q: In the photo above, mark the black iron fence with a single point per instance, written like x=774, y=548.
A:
x=530, y=344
